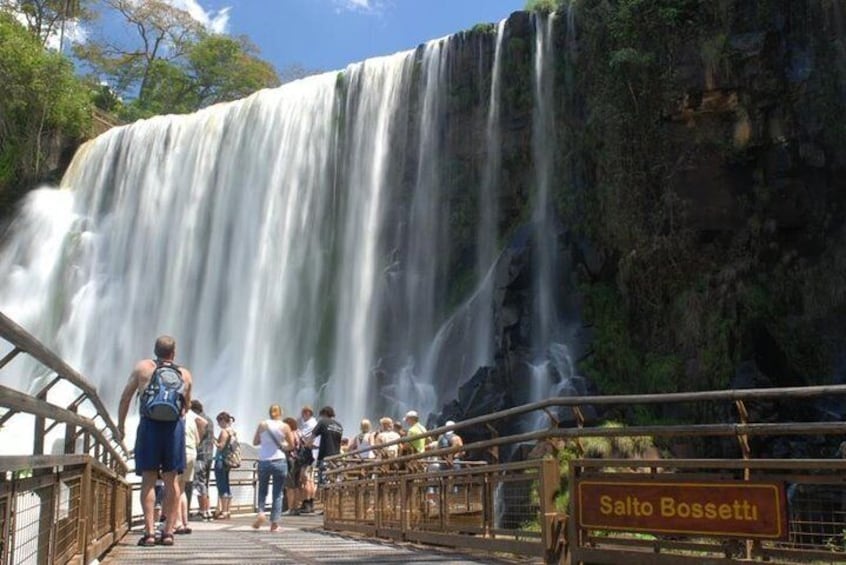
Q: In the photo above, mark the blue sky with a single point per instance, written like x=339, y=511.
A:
x=329, y=34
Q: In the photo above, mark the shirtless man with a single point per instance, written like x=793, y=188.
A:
x=159, y=445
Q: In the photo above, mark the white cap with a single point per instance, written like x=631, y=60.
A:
x=449, y=423
x=411, y=414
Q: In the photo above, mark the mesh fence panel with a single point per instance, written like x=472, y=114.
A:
x=101, y=507
x=5, y=526
x=68, y=519
x=391, y=503
x=33, y=521
x=817, y=517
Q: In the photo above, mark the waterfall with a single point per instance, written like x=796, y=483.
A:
x=543, y=151
x=488, y=204
x=552, y=371
x=377, y=92
x=301, y=244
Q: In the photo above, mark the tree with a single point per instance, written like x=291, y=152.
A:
x=163, y=33
x=47, y=19
x=175, y=65
x=224, y=68
x=39, y=97
x=545, y=6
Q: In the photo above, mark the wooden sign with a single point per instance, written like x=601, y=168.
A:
x=737, y=509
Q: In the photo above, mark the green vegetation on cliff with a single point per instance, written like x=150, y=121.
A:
x=39, y=98
x=708, y=168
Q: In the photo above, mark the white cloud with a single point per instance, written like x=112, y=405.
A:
x=75, y=32
x=214, y=21
x=374, y=7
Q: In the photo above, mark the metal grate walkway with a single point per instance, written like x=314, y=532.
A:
x=300, y=540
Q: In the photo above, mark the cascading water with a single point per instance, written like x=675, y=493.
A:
x=299, y=243
x=372, y=113
x=257, y=233
x=489, y=208
x=543, y=150
x=552, y=372
x=423, y=237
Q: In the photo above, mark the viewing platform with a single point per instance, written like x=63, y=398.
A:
x=300, y=540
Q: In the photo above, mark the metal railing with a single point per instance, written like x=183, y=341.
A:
x=514, y=493
x=243, y=482
x=71, y=508
x=60, y=508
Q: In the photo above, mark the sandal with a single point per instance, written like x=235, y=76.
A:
x=166, y=539
x=147, y=540
x=182, y=531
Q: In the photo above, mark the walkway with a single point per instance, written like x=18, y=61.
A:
x=301, y=540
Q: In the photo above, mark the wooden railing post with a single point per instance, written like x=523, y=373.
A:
x=405, y=506
x=40, y=427
x=548, y=484
x=85, y=496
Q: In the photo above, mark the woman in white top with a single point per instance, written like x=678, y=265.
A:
x=274, y=439
x=364, y=440
x=387, y=435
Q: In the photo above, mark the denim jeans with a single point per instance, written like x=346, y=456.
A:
x=278, y=469
x=221, y=475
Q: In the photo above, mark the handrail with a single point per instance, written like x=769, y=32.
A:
x=24, y=403
x=76, y=505
x=733, y=395
x=23, y=341
x=518, y=507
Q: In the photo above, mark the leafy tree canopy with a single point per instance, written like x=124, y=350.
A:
x=39, y=94
x=546, y=6
x=172, y=64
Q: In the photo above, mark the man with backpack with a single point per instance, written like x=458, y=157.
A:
x=164, y=395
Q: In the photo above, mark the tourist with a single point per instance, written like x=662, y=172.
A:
x=330, y=433
x=164, y=391
x=415, y=428
x=306, y=426
x=387, y=434
x=221, y=468
x=275, y=440
x=363, y=441
x=205, y=457
x=293, y=480
x=450, y=439
x=195, y=426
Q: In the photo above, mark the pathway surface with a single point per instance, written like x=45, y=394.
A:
x=300, y=540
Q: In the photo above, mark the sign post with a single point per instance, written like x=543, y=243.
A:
x=736, y=509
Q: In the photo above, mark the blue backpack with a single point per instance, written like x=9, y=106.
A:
x=164, y=398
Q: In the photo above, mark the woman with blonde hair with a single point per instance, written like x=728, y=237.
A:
x=387, y=434
x=275, y=440
x=364, y=440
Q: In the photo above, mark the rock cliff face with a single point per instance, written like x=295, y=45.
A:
x=700, y=188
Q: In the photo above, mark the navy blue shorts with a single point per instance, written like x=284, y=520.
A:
x=160, y=446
